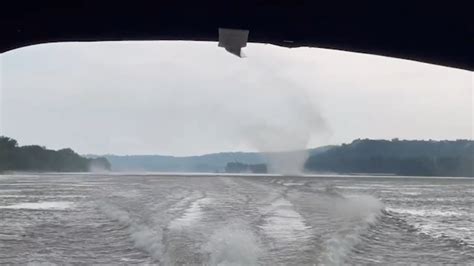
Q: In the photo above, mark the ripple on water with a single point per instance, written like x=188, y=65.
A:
x=45, y=205
x=233, y=244
x=191, y=215
x=284, y=223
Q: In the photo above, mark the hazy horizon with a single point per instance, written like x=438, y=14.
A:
x=248, y=151
x=193, y=98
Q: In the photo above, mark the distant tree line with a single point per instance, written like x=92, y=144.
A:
x=237, y=167
x=36, y=158
x=400, y=157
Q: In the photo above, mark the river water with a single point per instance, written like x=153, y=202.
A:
x=235, y=220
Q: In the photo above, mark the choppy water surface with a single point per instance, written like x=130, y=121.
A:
x=235, y=220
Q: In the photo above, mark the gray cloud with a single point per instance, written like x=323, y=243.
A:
x=193, y=97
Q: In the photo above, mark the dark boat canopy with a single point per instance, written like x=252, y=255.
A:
x=417, y=30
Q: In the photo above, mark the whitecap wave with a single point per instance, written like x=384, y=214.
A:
x=437, y=223
x=284, y=223
x=233, y=245
x=45, y=205
x=144, y=237
x=426, y=212
x=191, y=215
x=356, y=213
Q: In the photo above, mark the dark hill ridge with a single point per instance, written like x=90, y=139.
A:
x=215, y=162
x=162, y=163
x=400, y=157
x=37, y=158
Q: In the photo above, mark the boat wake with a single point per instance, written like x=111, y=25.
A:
x=354, y=215
x=234, y=244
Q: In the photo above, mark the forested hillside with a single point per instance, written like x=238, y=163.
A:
x=215, y=162
x=401, y=157
x=36, y=158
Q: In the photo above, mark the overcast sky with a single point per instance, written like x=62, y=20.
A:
x=186, y=98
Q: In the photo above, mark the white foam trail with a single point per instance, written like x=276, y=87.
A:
x=432, y=222
x=284, y=223
x=191, y=215
x=425, y=212
x=357, y=213
x=42, y=196
x=16, y=190
x=184, y=198
x=45, y=205
x=126, y=194
x=292, y=184
x=410, y=193
x=144, y=237
x=233, y=245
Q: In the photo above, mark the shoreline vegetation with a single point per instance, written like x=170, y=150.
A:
x=454, y=158
x=371, y=157
x=34, y=158
x=398, y=157
x=236, y=167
